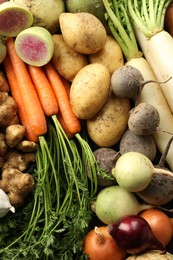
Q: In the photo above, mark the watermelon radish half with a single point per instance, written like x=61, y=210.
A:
x=35, y=46
x=14, y=18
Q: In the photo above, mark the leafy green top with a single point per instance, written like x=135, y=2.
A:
x=120, y=25
x=148, y=15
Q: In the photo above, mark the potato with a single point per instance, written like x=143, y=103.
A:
x=151, y=255
x=89, y=90
x=67, y=61
x=109, y=124
x=83, y=32
x=111, y=55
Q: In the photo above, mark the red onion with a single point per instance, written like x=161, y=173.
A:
x=134, y=234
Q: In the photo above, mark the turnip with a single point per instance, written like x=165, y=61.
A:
x=46, y=13
x=134, y=171
x=35, y=45
x=114, y=202
x=144, y=119
x=14, y=18
x=159, y=191
x=127, y=82
x=130, y=142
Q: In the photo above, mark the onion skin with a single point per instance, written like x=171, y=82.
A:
x=134, y=234
x=99, y=245
x=160, y=224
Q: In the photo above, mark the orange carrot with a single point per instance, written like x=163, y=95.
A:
x=12, y=81
x=71, y=120
x=29, y=97
x=64, y=126
x=66, y=85
x=44, y=90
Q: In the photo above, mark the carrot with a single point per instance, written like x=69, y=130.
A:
x=44, y=90
x=64, y=126
x=71, y=120
x=12, y=81
x=29, y=98
x=66, y=85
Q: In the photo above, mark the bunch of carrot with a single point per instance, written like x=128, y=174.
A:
x=39, y=92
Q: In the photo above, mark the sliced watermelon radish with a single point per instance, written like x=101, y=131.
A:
x=14, y=18
x=35, y=46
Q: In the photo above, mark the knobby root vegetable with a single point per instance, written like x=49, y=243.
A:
x=14, y=134
x=17, y=185
x=18, y=160
x=26, y=146
x=4, y=87
x=8, y=110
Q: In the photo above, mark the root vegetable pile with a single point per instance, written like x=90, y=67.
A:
x=86, y=131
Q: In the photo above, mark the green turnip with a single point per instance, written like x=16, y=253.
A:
x=134, y=171
x=114, y=202
x=45, y=13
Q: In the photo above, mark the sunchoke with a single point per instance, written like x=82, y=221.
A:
x=14, y=134
x=17, y=160
x=4, y=87
x=17, y=185
x=8, y=110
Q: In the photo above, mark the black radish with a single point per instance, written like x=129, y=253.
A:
x=144, y=119
x=127, y=82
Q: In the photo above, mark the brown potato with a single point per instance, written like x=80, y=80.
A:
x=111, y=55
x=67, y=61
x=89, y=90
x=109, y=124
x=83, y=32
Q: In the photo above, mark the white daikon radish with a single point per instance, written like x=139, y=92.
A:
x=151, y=93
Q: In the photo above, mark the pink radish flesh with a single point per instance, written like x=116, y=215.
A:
x=11, y=21
x=32, y=48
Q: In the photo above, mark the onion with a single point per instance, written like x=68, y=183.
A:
x=134, y=234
